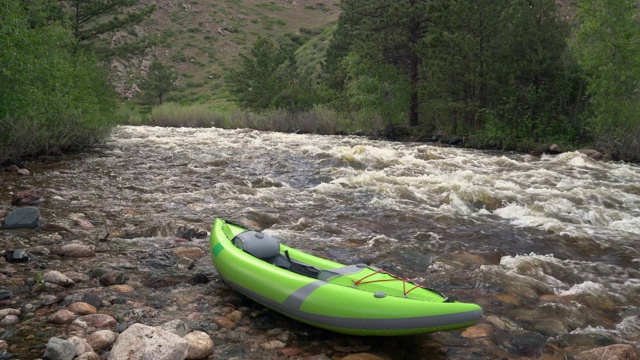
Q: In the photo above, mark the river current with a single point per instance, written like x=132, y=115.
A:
x=548, y=246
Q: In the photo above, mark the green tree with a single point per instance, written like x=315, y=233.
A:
x=160, y=81
x=607, y=48
x=390, y=32
x=51, y=97
x=267, y=78
x=92, y=20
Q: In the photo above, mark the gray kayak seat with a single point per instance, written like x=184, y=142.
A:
x=267, y=248
x=258, y=244
x=263, y=247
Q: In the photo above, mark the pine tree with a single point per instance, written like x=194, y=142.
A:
x=91, y=20
x=160, y=81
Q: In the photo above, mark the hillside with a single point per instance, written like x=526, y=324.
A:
x=201, y=39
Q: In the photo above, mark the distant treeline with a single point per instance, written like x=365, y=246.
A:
x=507, y=74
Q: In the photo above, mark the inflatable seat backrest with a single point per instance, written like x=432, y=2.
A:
x=258, y=244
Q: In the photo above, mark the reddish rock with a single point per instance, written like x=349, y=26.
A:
x=189, y=252
x=61, y=317
x=27, y=197
x=82, y=308
x=225, y=323
x=99, y=320
x=477, y=331
x=291, y=351
x=611, y=352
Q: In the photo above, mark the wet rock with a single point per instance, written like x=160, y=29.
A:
x=82, y=346
x=594, y=154
x=89, y=356
x=84, y=224
x=198, y=279
x=234, y=316
x=9, y=320
x=191, y=252
x=24, y=217
x=5, y=294
x=199, y=345
x=114, y=278
x=39, y=250
x=77, y=277
x=177, y=327
x=9, y=311
x=59, y=349
x=58, y=278
x=612, y=352
x=145, y=342
x=224, y=322
x=555, y=149
x=76, y=251
x=99, y=320
x=48, y=287
x=122, y=288
x=273, y=344
x=102, y=339
x=17, y=256
x=157, y=282
x=91, y=299
x=142, y=313
x=61, y=317
x=291, y=351
x=27, y=197
x=47, y=300
x=185, y=263
x=477, y=331
x=82, y=308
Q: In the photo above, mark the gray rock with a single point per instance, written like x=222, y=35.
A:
x=76, y=251
x=58, y=278
x=177, y=327
x=91, y=299
x=60, y=349
x=9, y=320
x=82, y=346
x=24, y=217
x=140, y=342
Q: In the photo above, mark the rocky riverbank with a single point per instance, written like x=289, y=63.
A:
x=110, y=286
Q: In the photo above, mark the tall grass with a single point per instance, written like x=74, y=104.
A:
x=319, y=120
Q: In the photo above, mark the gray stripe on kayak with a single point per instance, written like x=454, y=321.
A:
x=432, y=321
x=295, y=300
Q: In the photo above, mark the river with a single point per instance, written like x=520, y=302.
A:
x=548, y=246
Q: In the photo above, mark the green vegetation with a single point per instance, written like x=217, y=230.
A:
x=507, y=74
x=52, y=96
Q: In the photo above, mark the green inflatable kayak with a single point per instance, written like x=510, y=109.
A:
x=350, y=299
